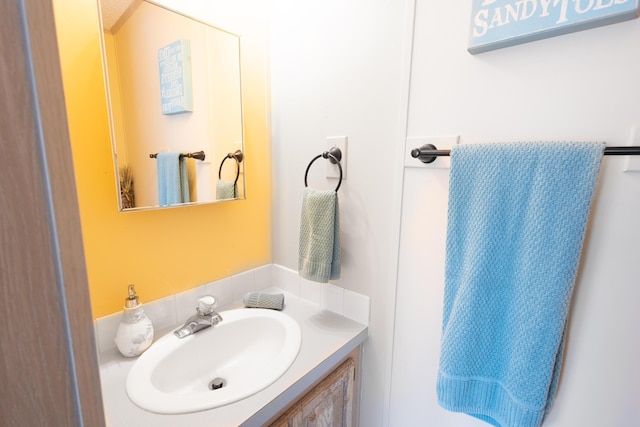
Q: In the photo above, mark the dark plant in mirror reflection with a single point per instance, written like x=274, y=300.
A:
x=126, y=187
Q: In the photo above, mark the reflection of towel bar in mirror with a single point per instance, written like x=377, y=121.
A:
x=428, y=152
x=196, y=155
x=238, y=156
x=334, y=155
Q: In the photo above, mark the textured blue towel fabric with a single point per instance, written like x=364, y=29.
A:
x=173, y=183
x=517, y=219
x=319, y=244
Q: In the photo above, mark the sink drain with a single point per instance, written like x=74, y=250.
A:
x=217, y=383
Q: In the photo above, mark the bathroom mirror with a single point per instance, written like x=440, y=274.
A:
x=175, y=105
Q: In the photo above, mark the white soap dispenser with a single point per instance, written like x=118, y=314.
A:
x=135, y=331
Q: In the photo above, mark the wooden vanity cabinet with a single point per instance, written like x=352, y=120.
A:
x=331, y=403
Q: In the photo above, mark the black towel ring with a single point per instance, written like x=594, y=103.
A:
x=238, y=156
x=334, y=155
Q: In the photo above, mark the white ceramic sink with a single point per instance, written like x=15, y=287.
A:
x=249, y=350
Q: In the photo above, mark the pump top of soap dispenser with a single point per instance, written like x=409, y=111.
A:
x=132, y=300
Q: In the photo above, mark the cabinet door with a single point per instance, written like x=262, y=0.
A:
x=329, y=404
x=332, y=405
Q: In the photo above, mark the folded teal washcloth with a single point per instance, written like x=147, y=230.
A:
x=517, y=219
x=226, y=190
x=319, y=245
x=264, y=300
x=173, y=183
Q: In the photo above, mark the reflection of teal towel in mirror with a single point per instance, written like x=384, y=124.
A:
x=319, y=246
x=226, y=190
x=173, y=184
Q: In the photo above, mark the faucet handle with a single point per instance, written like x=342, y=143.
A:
x=206, y=305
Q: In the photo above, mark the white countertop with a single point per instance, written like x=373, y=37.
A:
x=326, y=339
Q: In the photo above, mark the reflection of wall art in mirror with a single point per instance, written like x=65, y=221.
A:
x=174, y=65
x=135, y=43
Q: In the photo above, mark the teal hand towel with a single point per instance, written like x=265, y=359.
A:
x=173, y=183
x=226, y=190
x=516, y=223
x=319, y=245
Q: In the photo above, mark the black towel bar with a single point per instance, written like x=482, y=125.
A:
x=196, y=155
x=428, y=152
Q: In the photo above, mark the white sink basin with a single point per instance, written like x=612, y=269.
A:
x=248, y=351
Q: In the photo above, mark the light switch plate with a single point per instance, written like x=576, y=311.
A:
x=633, y=162
x=440, y=142
x=333, y=171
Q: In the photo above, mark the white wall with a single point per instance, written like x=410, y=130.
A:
x=582, y=86
x=337, y=70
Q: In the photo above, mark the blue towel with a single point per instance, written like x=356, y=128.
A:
x=173, y=183
x=517, y=219
x=319, y=240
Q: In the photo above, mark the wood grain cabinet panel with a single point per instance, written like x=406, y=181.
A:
x=329, y=404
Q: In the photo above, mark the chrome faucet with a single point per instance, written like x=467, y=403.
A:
x=206, y=316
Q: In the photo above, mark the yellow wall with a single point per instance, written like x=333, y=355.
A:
x=163, y=251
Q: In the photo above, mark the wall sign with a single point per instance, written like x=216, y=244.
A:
x=174, y=64
x=500, y=23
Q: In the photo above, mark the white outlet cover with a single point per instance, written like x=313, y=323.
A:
x=633, y=162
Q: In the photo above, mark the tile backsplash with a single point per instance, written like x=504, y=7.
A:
x=167, y=312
